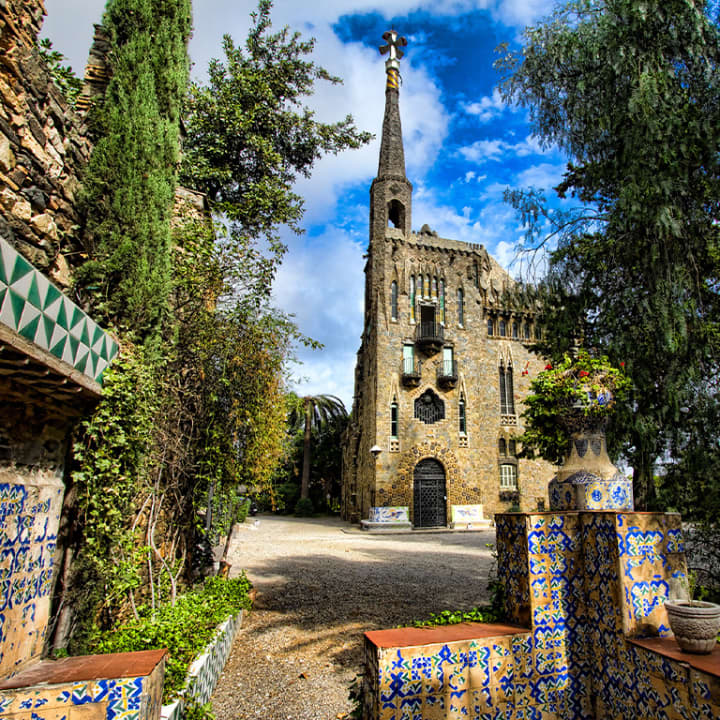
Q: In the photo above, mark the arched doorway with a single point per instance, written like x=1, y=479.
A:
x=429, y=494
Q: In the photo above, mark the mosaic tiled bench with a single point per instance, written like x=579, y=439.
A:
x=205, y=671
x=457, y=671
x=388, y=519
x=468, y=517
x=121, y=686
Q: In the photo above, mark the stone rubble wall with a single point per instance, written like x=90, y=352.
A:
x=43, y=149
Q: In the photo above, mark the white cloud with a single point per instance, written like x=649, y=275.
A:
x=487, y=108
x=482, y=151
x=545, y=176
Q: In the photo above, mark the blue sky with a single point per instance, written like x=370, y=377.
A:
x=463, y=147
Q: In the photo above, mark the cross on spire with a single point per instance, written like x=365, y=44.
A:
x=394, y=43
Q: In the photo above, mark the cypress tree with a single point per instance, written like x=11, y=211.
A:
x=131, y=177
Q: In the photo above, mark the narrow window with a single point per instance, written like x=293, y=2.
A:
x=394, y=418
x=441, y=291
x=491, y=327
x=502, y=447
x=434, y=287
x=394, y=300
x=515, y=332
x=448, y=364
x=527, y=331
x=507, y=401
x=508, y=477
x=421, y=286
x=412, y=298
x=512, y=447
x=460, y=308
x=428, y=286
x=408, y=359
x=461, y=415
x=501, y=327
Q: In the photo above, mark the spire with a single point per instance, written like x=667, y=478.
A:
x=392, y=155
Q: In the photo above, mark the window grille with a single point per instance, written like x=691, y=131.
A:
x=394, y=300
x=394, y=419
x=429, y=407
x=461, y=415
x=460, y=308
x=507, y=400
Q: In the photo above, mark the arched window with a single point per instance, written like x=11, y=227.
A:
x=441, y=300
x=515, y=331
x=429, y=407
x=527, y=331
x=394, y=418
x=421, y=286
x=412, y=298
x=502, y=447
x=491, y=327
x=501, y=327
x=396, y=214
x=512, y=447
x=394, y=300
x=428, y=286
x=460, y=307
x=434, y=286
x=462, y=424
x=507, y=401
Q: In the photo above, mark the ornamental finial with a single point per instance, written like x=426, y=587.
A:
x=392, y=64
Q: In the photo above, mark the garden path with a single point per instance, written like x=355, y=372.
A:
x=321, y=585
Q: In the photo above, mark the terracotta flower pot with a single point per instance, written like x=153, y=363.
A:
x=696, y=626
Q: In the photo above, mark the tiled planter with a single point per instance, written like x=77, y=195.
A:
x=205, y=670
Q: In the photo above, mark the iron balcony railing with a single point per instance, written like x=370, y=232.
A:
x=447, y=373
x=430, y=333
x=411, y=371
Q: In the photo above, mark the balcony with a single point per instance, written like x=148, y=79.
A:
x=411, y=372
x=447, y=374
x=429, y=336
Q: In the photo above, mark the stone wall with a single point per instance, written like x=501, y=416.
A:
x=42, y=149
x=472, y=460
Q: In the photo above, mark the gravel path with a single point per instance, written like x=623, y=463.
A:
x=320, y=586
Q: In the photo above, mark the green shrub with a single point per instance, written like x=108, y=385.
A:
x=304, y=508
x=453, y=617
x=242, y=512
x=184, y=628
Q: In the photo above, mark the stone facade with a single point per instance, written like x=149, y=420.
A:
x=418, y=283
x=43, y=148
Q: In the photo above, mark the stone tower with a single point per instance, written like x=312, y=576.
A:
x=443, y=364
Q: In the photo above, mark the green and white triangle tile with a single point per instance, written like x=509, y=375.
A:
x=100, y=368
x=51, y=297
x=76, y=325
x=82, y=360
x=52, y=309
x=23, y=283
x=12, y=309
x=21, y=269
x=8, y=255
x=45, y=332
x=43, y=286
x=29, y=330
x=58, y=334
x=3, y=293
x=85, y=335
x=112, y=350
x=58, y=348
x=97, y=336
x=70, y=350
x=29, y=315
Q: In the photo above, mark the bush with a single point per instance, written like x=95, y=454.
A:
x=184, y=628
x=304, y=508
x=242, y=511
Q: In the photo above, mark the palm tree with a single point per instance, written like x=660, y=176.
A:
x=313, y=411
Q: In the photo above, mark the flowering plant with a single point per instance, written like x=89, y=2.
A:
x=576, y=394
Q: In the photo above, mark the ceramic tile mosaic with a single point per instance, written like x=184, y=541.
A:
x=29, y=519
x=585, y=491
x=134, y=698
x=35, y=309
x=467, y=515
x=398, y=514
x=583, y=584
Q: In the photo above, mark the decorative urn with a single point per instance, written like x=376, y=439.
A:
x=695, y=624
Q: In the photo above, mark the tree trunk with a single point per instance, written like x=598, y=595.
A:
x=305, y=482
